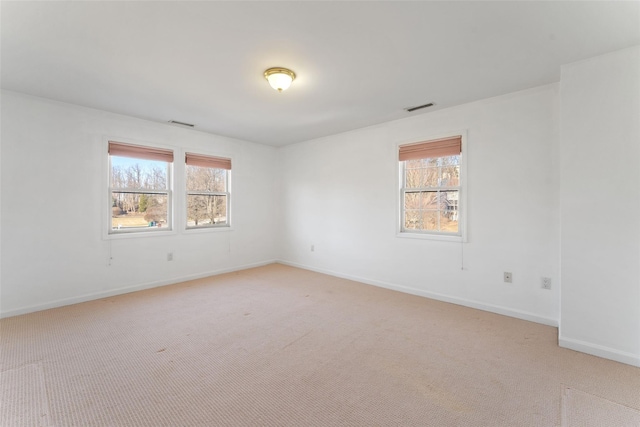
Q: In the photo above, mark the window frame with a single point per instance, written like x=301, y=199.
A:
x=108, y=231
x=185, y=202
x=461, y=235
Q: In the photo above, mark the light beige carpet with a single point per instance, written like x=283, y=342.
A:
x=280, y=346
x=580, y=409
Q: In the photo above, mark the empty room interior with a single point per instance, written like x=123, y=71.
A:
x=320, y=213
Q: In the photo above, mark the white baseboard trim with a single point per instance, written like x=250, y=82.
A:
x=126, y=289
x=600, y=351
x=518, y=314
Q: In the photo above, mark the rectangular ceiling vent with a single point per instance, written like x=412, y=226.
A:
x=175, y=122
x=410, y=109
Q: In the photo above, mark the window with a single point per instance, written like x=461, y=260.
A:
x=139, y=188
x=431, y=187
x=207, y=183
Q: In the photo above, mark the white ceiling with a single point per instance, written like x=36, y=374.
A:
x=358, y=63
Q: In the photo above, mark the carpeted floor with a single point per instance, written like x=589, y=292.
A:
x=280, y=346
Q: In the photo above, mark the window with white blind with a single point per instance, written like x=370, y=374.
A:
x=431, y=185
x=140, y=196
x=207, y=191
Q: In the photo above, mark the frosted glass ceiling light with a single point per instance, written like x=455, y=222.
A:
x=279, y=78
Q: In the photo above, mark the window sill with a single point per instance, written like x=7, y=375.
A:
x=138, y=234
x=430, y=236
x=195, y=230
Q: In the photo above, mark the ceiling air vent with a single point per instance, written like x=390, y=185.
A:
x=175, y=122
x=410, y=109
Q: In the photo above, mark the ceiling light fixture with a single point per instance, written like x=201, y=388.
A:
x=279, y=78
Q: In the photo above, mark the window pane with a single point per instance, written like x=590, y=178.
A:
x=413, y=177
x=138, y=210
x=138, y=174
x=412, y=219
x=429, y=200
x=412, y=201
x=430, y=177
x=449, y=215
x=206, y=179
x=450, y=200
x=449, y=221
x=430, y=162
x=450, y=176
x=205, y=211
x=429, y=220
x=450, y=161
x=413, y=164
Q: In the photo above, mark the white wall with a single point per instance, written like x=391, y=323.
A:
x=340, y=195
x=53, y=195
x=600, y=204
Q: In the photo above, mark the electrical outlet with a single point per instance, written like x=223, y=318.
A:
x=546, y=283
x=508, y=277
x=313, y=248
x=170, y=256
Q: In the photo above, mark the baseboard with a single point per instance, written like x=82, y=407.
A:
x=126, y=290
x=518, y=314
x=600, y=351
